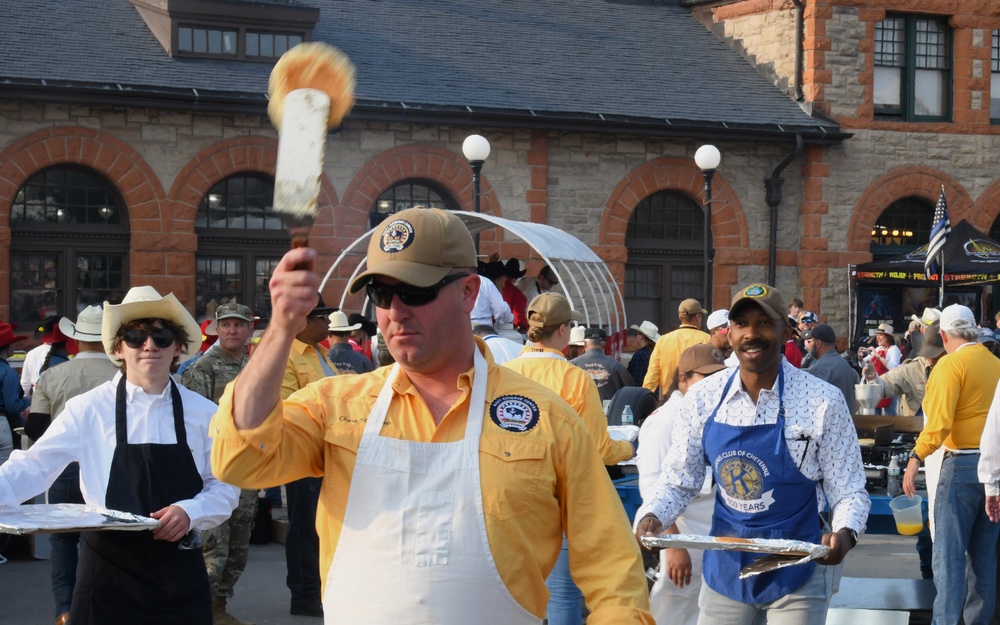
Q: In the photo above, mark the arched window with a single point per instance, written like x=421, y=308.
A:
x=902, y=227
x=407, y=194
x=665, y=241
x=240, y=240
x=69, y=244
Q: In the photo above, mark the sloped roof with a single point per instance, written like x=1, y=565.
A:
x=589, y=62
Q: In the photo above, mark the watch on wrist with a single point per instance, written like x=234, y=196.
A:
x=854, y=536
x=913, y=454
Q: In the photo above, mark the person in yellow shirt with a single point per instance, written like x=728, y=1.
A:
x=662, y=372
x=549, y=318
x=445, y=478
x=307, y=362
x=959, y=393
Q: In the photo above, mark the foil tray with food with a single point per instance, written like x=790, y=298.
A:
x=779, y=553
x=69, y=517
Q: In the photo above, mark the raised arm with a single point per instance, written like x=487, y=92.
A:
x=293, y=289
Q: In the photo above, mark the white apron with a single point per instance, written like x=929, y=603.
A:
x=413, y=548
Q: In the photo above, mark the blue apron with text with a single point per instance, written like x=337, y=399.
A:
x=761, y=494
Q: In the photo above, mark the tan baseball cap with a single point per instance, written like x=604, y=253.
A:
x=765, y=296
x=418, y=246
x=691, y=306
x=704, y=358
x=553, y=308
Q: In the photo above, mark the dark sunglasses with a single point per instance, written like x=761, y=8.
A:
x=381, y=294
x=136, y=338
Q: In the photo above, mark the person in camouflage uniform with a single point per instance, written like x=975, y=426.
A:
x=225, y=547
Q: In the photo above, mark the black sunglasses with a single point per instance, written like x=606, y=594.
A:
x=136, y=338
x=381, y=294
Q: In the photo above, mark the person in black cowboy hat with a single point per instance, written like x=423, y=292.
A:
x=143, y=447
x=47, y=331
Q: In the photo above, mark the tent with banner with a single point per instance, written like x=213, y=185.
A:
x=890, y=290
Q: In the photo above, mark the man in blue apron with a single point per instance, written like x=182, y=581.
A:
x=779, y=442
x=143, y=447
x=447, y=481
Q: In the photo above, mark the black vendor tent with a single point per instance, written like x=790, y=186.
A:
x=890, y=290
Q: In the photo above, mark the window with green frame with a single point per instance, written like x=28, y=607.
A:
x=913, y=75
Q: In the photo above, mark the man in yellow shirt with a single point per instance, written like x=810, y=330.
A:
x=662, y=372
x=307, y=362
x=959, y=392
x=445, y=477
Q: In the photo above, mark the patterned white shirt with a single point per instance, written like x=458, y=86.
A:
x=818, y=430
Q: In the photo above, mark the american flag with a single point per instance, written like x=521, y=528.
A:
x=942, y=226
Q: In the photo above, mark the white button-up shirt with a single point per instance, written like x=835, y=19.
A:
x=490, y=305
x=819, y=433
x=85, y=433
x=989, y=448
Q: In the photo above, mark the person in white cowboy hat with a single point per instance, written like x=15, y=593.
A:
x=342, y=354
x=89, y=369
x=640, y=342
x=143, y=447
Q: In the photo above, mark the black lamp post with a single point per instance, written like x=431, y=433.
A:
x=476, y=149
x=707, y=158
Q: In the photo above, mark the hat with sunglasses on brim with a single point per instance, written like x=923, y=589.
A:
x=418, y=246
x=550, y=309
x=340, y=323
x=144, y=302
x=87, y=327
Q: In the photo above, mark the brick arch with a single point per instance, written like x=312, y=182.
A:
x=987, y=208
x=125, y=168
x=729, y=224
x=915, y=181
x=226, y=158
x=449, y=170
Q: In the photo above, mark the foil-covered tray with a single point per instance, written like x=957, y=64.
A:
x=780, y=553
x=628, y=433
x=69, y=517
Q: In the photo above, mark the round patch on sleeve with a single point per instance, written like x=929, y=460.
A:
x=514, y=413
x=397, y=236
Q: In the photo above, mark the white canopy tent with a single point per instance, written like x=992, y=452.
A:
x=585, y=279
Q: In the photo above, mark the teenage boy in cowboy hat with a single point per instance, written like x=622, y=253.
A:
x=143, y=447
x=12, y=400
x=56, y=386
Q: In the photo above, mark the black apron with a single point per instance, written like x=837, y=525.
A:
x=128, y=577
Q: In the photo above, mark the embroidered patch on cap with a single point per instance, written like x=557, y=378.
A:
x=397, y=236
x=755, y=290
x=514, y=413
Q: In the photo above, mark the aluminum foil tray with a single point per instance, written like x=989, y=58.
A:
x=780, y=553
x=69, y=517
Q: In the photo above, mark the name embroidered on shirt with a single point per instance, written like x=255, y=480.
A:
x=514, y=413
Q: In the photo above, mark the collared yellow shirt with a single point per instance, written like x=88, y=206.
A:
x=579, y=390
x=530, y=480
x=959, y=393
x=303, y=367
x=667, y=355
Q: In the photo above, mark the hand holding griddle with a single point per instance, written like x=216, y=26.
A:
x=293, y=289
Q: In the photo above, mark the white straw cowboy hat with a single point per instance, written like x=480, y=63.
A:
x=143, y=302
x=647, y=329
x=339, y=322
x=87, y=327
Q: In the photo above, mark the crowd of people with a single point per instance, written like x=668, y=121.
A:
x=466, y=464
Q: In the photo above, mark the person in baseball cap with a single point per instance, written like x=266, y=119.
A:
x=751, y=412
x=718, y=329
x=662, y=372
x=828, y=365
x=439, y=414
